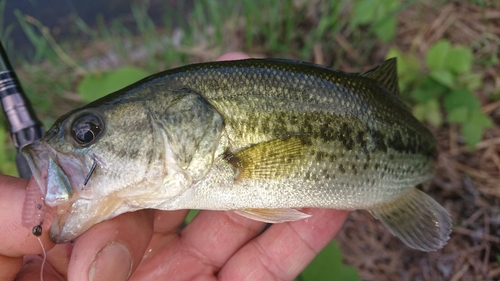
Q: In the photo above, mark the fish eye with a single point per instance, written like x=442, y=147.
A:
x=86, y=129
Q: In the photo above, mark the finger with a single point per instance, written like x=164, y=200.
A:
x=166, y=227
x=167, y=222
x=32, y=269
x=59, y=256
x=201, y=248
x=9, y=267
x=284, y=250
x=233, y=56
x=17, y=240
x=214, y=236
x=111, y=250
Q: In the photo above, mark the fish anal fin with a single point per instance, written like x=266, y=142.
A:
x=269, y=160
x=272, y=215
x=417, y=219
x=385, y=74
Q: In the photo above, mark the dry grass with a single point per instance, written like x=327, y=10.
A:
x=467, y=182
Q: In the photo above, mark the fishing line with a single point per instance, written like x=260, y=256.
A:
x=44, y=258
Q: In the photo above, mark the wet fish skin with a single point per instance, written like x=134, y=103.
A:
x=258, y=136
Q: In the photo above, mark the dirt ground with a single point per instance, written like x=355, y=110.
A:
x=467, y=183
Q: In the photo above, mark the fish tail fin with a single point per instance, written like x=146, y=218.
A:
x=417, y=219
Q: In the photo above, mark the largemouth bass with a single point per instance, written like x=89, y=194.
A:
x=261, y=137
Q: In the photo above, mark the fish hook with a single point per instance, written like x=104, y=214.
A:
x=87, y=178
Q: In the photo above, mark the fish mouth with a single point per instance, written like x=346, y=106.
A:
x=63, y=229
x=60, y=178
x=50, y=177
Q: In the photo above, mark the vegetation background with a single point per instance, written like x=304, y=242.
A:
x=448, y=65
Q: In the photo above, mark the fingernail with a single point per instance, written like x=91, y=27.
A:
x=113, y=262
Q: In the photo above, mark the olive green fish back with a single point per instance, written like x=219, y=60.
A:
x=354, y=130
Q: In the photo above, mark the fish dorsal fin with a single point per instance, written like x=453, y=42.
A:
x=268, y=160
x=386, y=74
x=273, y=215
x=417, y=219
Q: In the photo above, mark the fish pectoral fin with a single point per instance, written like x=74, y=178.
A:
x=272, y=215
x=269, y=160
x=417, y=219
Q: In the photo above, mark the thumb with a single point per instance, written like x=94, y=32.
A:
x=112, y=250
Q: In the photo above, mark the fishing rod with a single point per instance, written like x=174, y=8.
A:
x=25, y=128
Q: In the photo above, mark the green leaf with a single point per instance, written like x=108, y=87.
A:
x=394, y=52
x=386, y=30
x=480, y=119
x=458, y=115
x=390, y=5
x=428, y=112
x=364, y=12
x=94, y=86
x=428, y=90
x=472, y=134
x=473, y=129
x=461, y=98
x=410, y=65
x=422, y=96
x=471, y=81
x=124, y=76
x=419, y=111
x=434, y=88
x=459, y=59
x=436, y=56
x=444, y=77
x=328, y=266
x=433, y=114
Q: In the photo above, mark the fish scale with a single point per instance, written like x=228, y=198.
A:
x=321, y=101
x=250, y=114
x=263, y=138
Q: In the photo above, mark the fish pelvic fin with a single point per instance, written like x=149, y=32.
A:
x=385, y=74
x=269, y=160
x=272, y=215
x=417, y=219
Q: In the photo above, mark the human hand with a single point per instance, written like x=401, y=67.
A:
x=147, y=245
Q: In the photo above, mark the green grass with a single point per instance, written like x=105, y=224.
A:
x=5, y=31
x=7, y=154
